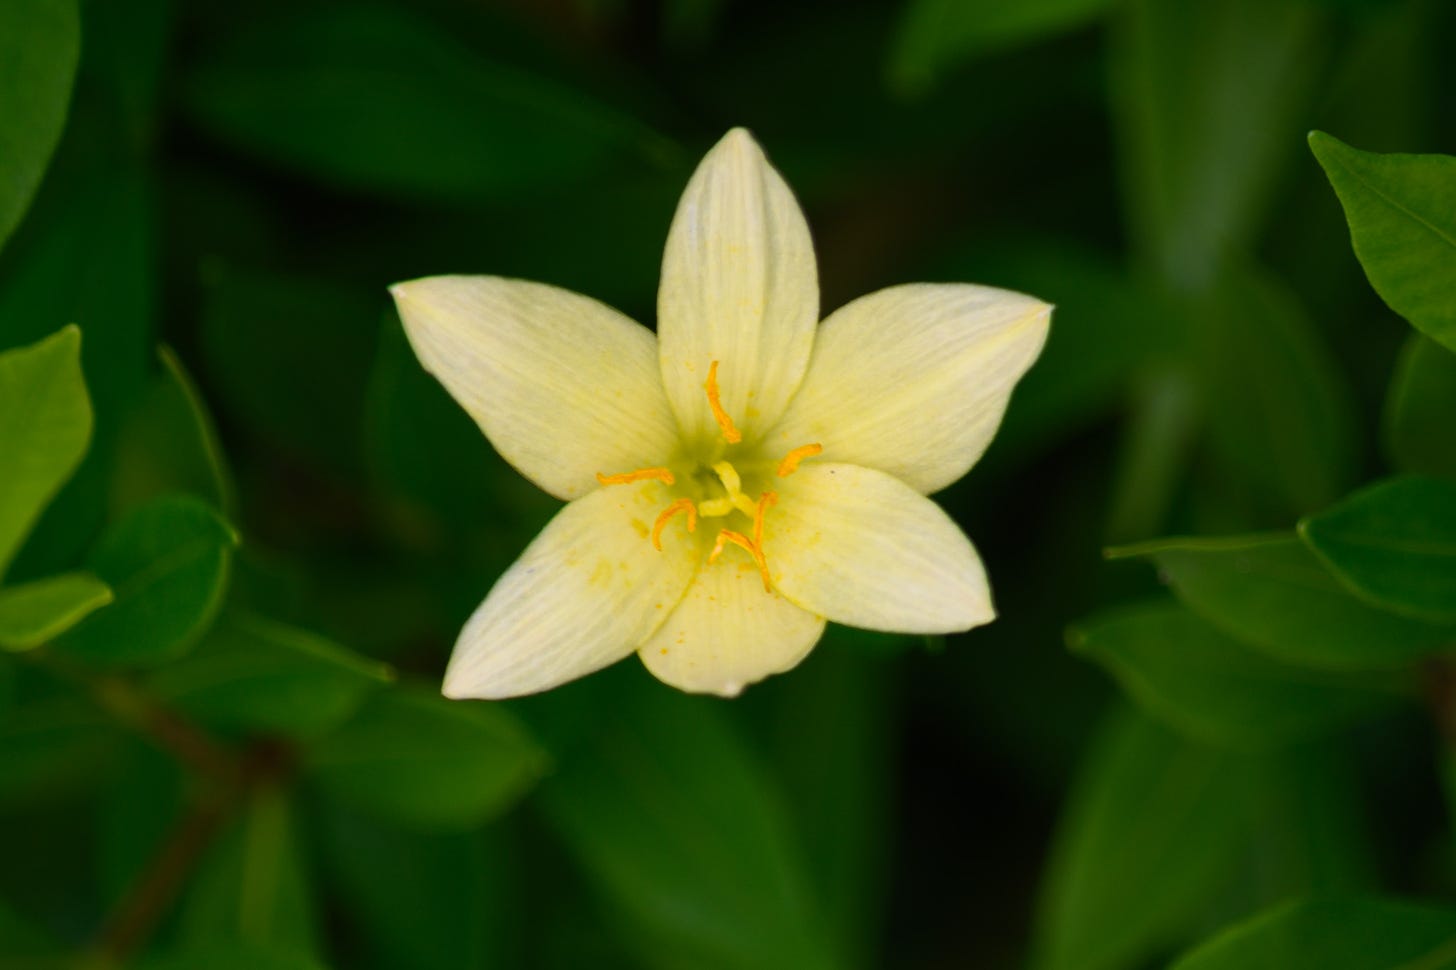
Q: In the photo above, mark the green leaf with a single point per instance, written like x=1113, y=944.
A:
x=1150, y=835
x=934, y=35
x=1394, y=544
x=1420, y=434
x=253, y=675
x=374, y=97
x=40, y=41
x=1215, y=688
x=417, y=758
x=1402, y=215
x=167, y=564
x=423, y=900
x=253, y=885
x=168, y=445
x=34, y=612
x=1271, y=592
x=23, y=947
x=1280, y=413
x=684, y=836
x=1335, y=933
x=45, y=426
x=1204, y=95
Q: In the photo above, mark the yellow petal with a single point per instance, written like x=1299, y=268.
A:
x=728, y=633
x=563, y=386
x=913, y=380
x=864, y=549
x=739, y=286
x=587, y=592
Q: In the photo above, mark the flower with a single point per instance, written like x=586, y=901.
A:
x=739, y=478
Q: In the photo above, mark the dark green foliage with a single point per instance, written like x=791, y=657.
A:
x=240, y=526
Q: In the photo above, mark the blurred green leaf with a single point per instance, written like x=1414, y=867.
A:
x=290, y=358
x=1204, y=95
x=40, y=42
x=45, y=427
x=52, y=745
x=375, y=97
x=417, y=758
x=1420, y=432
x=1334, y=933
x=1280, y=412
x=253, y=886
x=23, y=947
x=1394, y=544
x=168, y=444
x=251, y=674
x=934, y=35
x=167, y=564
x=1271, y=592
x=34, y=612
x=1402, y=215
x=232, y=956
x=1217, y=689
x=423, y=900
x=1150, y=834
x=684, y=837
x=139, y=812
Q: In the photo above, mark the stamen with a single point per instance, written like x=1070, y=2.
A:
x=730, y=433
x=747, y=545
x=681, y=505
x=790, y=464
x=640, y=475
x=764, y=501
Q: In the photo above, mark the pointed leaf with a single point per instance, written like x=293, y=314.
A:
x=417, y=758
x=34, y=612
x=1402, y=215
x=1215, y=688
x=167, y=564
x=1394, y=544
x=45, y=426
x=1272, y=593
x=40, y=41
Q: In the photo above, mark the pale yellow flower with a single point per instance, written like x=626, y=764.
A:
x=738, y=478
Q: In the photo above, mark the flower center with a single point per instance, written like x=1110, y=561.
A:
x=716, y=490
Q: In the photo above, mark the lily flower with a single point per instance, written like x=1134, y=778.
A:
x=740, y=477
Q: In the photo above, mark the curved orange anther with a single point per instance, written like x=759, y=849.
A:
x=681, y=505
x=790, y=464
x=748, y=546
x=730, y=433
x=640, y=475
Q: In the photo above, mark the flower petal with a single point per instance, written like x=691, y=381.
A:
x=562, y=385
x=913, y=380
x=585, y=593
x=728, y=633
x=739, y=286
x=865, y=549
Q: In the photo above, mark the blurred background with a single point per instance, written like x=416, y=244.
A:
x=277, y=784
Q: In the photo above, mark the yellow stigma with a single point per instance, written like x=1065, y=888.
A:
x=640, y=475
x=730, y=433
x=681, y=505
x=790, y=464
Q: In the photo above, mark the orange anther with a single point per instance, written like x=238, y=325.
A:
x=730, y=433
x=764, y=501
x=748, y=546
x=790, y=464
x=681, y=505
x=640, y=475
